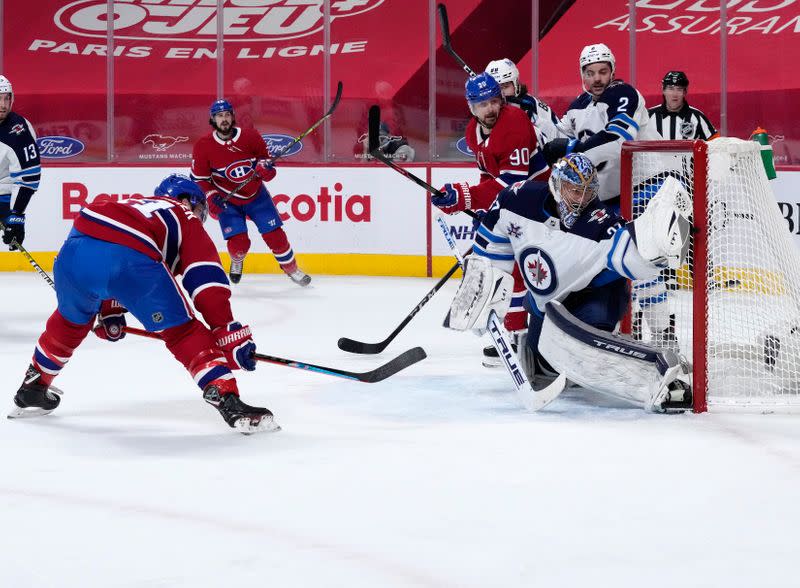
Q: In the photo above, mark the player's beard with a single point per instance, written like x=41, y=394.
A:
x=488, y=122
x=228, y=131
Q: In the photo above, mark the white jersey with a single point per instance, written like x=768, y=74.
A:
x=20, y=167
x=601, y=126
x=554, y=262
x=542, y=116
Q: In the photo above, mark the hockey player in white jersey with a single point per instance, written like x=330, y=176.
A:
x=605, y=115
x=542, y=116
x=571, y=248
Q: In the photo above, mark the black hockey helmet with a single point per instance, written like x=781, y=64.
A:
x=675, y=78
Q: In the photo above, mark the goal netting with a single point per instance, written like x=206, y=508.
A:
x=734, y=309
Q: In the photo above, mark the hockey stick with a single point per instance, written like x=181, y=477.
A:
x=297, y=139
x=32, y=261
x=444, y=23
x=533, y=400
x=353, y=346
x=401, y=362
x=325, y=117
x=375, y=151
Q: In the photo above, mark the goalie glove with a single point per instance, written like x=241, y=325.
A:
x=111, y=321
x=483, y=289
x=662, y=231
x=237, y=343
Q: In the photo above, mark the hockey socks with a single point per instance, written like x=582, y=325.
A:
x=56, y=345
x=195, y=347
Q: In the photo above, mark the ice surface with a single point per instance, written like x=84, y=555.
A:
x=435, y=477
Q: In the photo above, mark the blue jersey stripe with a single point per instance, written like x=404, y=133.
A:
x=619, y=131
x=202, y=275
x=625, y=119
x=497, y=256
x=99, y=221
x=489, y=236
x=172, y=242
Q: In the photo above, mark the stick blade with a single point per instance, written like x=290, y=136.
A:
x=374, y=127
x=353, y=346
x=444, y=23
x=336, y=98
x=399, y=363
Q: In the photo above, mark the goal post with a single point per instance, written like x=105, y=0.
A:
x=734, y=308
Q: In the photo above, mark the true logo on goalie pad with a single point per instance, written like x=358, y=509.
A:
x=538, y=270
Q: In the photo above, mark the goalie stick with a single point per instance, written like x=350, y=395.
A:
x=533, y=400
x=380, y=373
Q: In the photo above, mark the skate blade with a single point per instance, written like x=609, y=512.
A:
x=25, y=413
x=248, y=426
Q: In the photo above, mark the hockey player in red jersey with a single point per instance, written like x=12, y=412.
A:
x=224, y=164
x=124, y=257
x=506, y=151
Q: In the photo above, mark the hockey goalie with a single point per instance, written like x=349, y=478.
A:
x=577, y=258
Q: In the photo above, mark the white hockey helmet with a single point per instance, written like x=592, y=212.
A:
x=597, y=54
x=5, y=86
x=504, y=70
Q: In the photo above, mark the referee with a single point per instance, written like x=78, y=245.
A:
x=675, y=120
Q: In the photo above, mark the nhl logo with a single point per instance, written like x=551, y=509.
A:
x=157, y=317
x=687, y=130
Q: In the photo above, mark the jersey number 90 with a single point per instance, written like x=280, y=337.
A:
x=520, y=156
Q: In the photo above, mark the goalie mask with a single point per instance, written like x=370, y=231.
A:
x=574, y=184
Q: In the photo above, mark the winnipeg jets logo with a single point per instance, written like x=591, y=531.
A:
x=538, y=271
x=598, y=216
x=514, y=230
x=516, y=186
x=17, y=129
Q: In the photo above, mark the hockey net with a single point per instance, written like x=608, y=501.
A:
x=734, y=308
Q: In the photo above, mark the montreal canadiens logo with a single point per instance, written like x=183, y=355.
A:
x=58, y=147
x=239, y=170
x=538, y=271
x=195, y=20
x=277, y=144
x=462, y=146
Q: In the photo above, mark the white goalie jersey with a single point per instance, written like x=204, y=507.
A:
x=553, y=262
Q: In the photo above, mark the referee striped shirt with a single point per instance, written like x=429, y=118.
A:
x=687, y=123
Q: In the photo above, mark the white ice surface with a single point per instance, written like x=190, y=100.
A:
x=435, y=477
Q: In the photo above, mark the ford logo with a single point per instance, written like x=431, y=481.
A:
x=278, y=143
x=59, y=147
x=461, y=145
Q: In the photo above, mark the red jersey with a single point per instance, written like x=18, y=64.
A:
x=225, y=165
x=165, y=230
x=510, y=153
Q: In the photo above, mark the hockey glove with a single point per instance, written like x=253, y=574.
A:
x=237, y=343
x=111, y=321
x=14, y=229
x=558, y=148
x=452, y=198
x=216, y=205
x=265, y=170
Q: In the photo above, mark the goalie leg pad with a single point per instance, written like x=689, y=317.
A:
x=652, y=378
x=483, y=289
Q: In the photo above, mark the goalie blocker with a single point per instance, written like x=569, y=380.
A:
x=656, y=379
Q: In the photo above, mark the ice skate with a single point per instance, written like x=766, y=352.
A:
x=299, y=277
x=235, y=273
x=34, y=399
x=240, y=416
